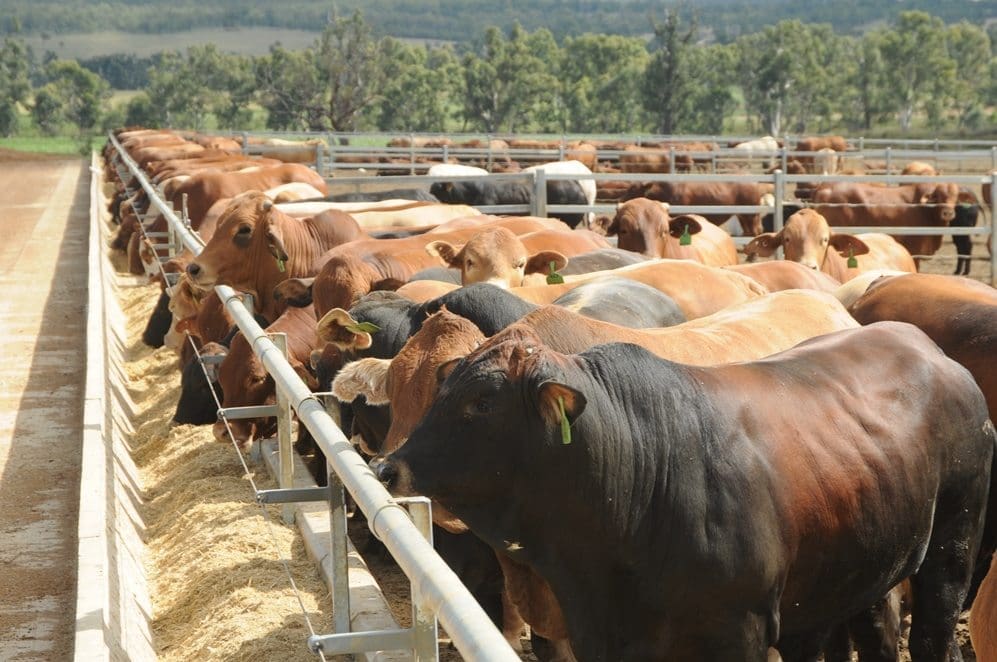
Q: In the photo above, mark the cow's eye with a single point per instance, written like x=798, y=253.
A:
x=469, y=263
x=245, y=229
x=477, y=407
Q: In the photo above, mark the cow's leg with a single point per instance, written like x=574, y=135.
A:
x=838, y=647
x=939, y=589
x=746, y=640
x=751, y=224
x=808, y=647
x=876, y=631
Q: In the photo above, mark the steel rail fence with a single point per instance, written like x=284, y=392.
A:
x=436, y=590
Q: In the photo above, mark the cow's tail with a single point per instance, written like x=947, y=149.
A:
x=988, y=545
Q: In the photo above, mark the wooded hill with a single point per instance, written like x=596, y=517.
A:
x=458, y=20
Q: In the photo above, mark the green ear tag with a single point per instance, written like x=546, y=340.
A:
x=362, y=327
x=852, y=262
x=554, y=278
x=280, y=265
x=565, y=426
x=686, y=238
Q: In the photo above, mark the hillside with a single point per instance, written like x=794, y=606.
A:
x=442, y=19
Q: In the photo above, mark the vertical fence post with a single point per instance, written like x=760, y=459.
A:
x=424, y=627
x=337, y=531
x=671, y=159
x=993, y=158
x=446, y=153
x=318, y=158
x=538, y=206
x=284, y=451
x=993, y=227
x=780, y=194
x=889, y=159
x=245, y=143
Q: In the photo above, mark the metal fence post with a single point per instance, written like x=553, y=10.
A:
x=318, y=157
x=538, y=206
x=671, y=159
x=446, y=153
x=284, y=451
x=245, y=143
x=889, y=159
x=424, y=627
x=337, y=531
x=780, y=193
x=993, y=158
x=993, y=226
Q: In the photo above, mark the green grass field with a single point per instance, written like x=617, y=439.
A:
x=42, y=144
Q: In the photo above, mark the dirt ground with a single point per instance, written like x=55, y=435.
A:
x=43, y=275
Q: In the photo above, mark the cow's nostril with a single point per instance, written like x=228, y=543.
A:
x=387, y=473
x=193, y=269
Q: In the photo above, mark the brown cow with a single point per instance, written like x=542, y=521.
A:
x=708, y=194
x=919, y=168
x=917, y=205
x=959, y=314
x=255, y=246
x=410, y=381
x=778, y=275
x=204, y=188
x=815, y=144
x=698, y=290
x=643, y=226
x=807, y=239
x=644, y=159
x=499, y=257
x=245, y=381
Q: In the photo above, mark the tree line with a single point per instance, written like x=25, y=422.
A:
x=790, y=77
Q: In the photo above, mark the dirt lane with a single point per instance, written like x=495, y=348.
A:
x=43, y=274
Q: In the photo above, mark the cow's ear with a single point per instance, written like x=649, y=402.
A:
x=275, y=242
x=848, y=245
x=555, y=398
x=605, y=225
x=763, y=245
x=679, y=224
x=539, y=263
x=447, y=252
x=386, y=285
x=297, y=292
x=338, y=327
x=366, y=377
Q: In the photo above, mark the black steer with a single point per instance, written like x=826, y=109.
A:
x=487, y=193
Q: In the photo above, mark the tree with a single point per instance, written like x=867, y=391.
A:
x=969, y=48
x=71, y=94
x=865, y=99
x=711, y=100
x=919, y=69
x=15, y=83
x=418, y=89
x=791, y=75
x=667, y=84
x=508, y=83
x=351, y=66
x=289, y=88
x=600, y=83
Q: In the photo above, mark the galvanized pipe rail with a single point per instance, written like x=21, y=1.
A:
x=436, y=589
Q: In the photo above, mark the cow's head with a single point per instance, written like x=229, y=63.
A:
x=943, y=198
x=410, y=380
x=505, y=403
x=495, y=256
x=248, y=241
x=642, y=225
x=806, y=238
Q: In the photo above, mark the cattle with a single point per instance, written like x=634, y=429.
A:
x=707, y=194
x=919, y=168
x=983, y=618
x=698, y=289
x=571, y=167
x=812, y=162
x=807, y=239
x=159, y=322
x=479, y=193
x=204, y=188
x=198, y=387
x=644, y=226
x=967, y=213
x=958, y=314
x=848, y=293
x=415, y=194
x=455, y=170
x=256, y=246
x=644, y=159
x=778, y=275
x=245, y=382
x=289, y=151
x=752, y=330
x=363, y=266
x=916, y=205
x=600, y=259
x=497, y=256
x=764, y=148
x=707, y=494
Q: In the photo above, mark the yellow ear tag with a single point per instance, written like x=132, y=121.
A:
x=852, y=262
x=280, y=265
x=565, y=426
x=554, y=278
x=686, y=238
